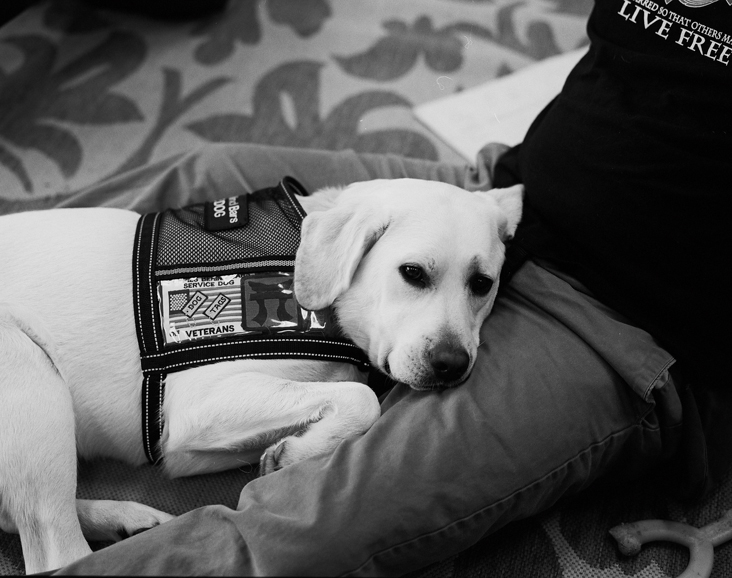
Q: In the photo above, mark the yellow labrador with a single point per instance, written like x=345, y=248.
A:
x=410, y=268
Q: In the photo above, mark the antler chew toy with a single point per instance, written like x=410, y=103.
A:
x=700, y=541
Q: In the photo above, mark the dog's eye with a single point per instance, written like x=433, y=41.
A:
x=480, y=285
x=413, y=274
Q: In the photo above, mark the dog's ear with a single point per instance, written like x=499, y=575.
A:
x=332, y=244
x=511, y=201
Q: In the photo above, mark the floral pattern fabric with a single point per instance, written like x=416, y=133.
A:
x=87, y=93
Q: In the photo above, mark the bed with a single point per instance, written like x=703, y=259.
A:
x=88, y=93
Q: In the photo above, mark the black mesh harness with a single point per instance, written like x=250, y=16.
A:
x=213, y=282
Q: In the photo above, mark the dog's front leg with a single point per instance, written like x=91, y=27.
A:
x=222, y=419
x=350, y=410
x=103, y=520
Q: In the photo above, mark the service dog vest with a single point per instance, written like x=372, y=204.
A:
x=214, y=282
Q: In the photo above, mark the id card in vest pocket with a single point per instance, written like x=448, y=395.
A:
x=204, y=308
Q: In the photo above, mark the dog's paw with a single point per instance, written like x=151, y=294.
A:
x=139, y=518
x=271, y=459
x=110, y=520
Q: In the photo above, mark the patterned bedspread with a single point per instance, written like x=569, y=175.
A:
x=86, y=94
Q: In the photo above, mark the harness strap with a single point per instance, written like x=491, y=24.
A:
x=149, y=337
x=274, y=347
x=153, y=391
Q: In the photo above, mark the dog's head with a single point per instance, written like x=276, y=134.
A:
x=411, y=268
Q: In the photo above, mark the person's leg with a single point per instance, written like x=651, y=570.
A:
x=218, y=171
x=563, y=391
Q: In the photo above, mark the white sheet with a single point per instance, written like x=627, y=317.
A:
x=500, y=110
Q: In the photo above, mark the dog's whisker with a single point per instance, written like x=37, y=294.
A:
x=247, y=468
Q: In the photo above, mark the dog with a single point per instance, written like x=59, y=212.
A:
x=409, y=267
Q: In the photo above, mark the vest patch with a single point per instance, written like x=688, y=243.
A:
x=227, y=213
x=201, y=308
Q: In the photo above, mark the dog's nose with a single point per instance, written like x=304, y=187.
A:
x=449, y=362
